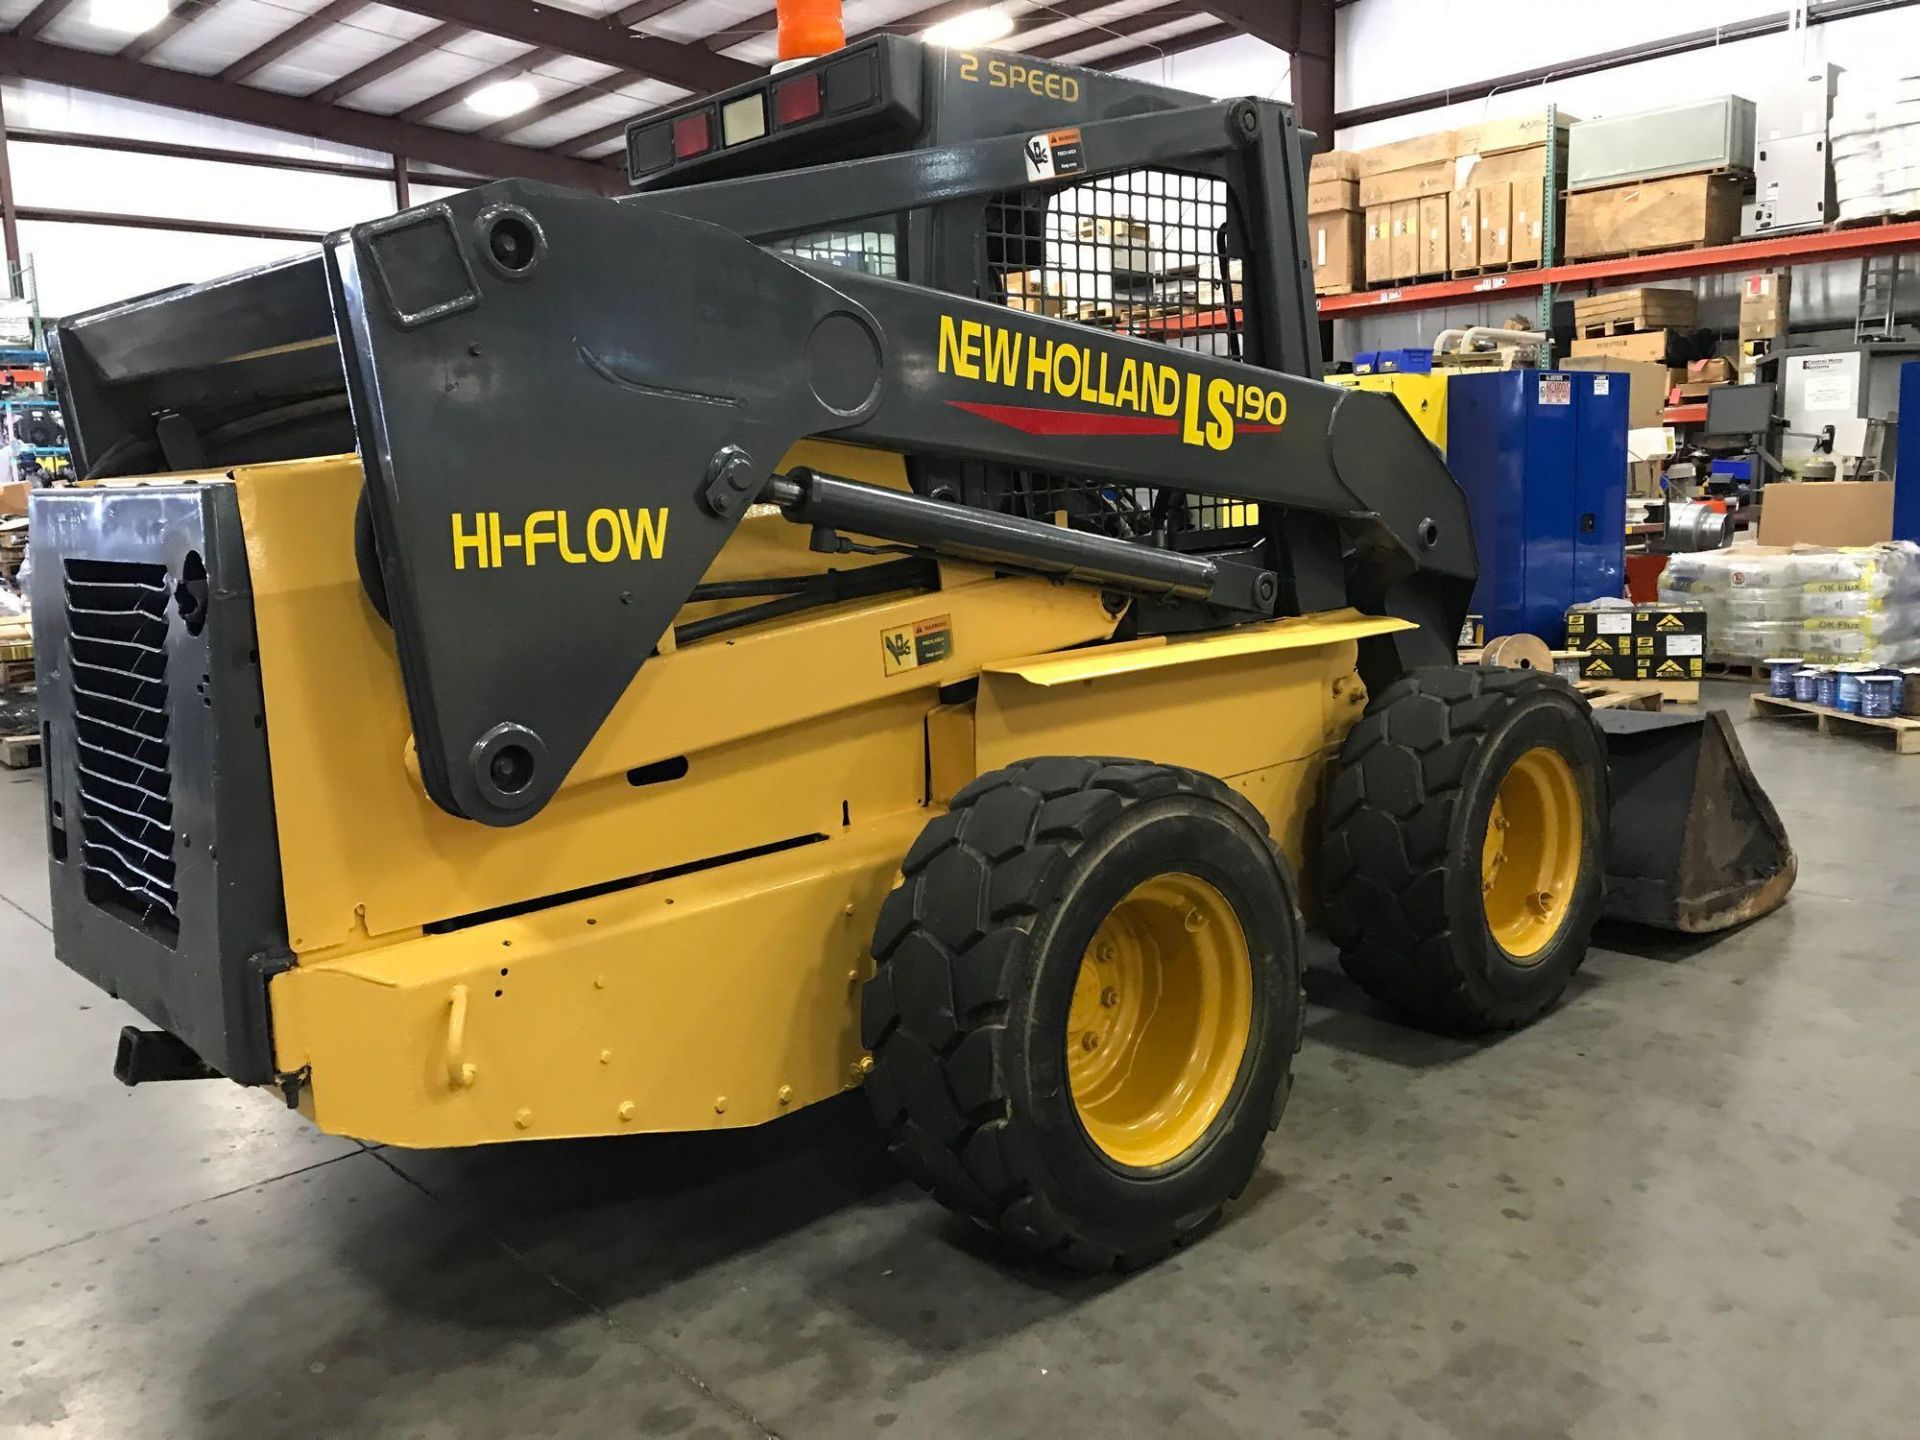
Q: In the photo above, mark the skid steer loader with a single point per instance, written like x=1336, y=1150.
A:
x=559, y=665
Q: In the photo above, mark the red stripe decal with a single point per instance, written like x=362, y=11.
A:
x=1031, y=421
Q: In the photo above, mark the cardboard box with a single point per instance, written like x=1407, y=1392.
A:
x=1715, y=371
x=1648, y=345
x=1405, y=241
x=1764, y=303
x=1433, y=235
x=1647, y=383
x=13, y=497
x=1379, y=263
x=1515, y=132
x=1528, y=222
x=1463, y=238
x=1027, y=290
x=1647, y=642
x=1337, y=241
x=1130, y=242
x=1681, y=210
x=1323, y=195
x=1693, y=392
x=1515, y=167
x=1827, y=512
x=1420, y=150
x=1496, y=221
x=1433, y=178
x=1334, y=165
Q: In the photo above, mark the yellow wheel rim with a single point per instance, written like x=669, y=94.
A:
x=1161, y=1011
x=1530, y=856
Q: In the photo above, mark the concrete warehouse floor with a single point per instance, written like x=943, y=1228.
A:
x=1685, y=1204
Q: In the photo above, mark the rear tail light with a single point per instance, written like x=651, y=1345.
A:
x=692, y=135
x=796, y=100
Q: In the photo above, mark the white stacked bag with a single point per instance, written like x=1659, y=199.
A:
x=1874, y=136
x=1828, y=607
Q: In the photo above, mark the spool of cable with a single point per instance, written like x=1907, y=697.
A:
x=1518, y=652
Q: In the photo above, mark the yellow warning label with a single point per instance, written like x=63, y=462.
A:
x=1643, y=645
x=908, y=647
x=1599, y=670
x=1670, y=670
x=1668, y=622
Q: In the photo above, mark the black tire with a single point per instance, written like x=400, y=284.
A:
x=978, y=951
x=1407, y=815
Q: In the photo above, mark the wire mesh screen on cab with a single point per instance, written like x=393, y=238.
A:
x=1148, y=253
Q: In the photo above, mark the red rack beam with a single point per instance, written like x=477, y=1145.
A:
x=1742, y=255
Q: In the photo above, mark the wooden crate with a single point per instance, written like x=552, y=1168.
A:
x=1622, y=312
x=1680, y=212
x=1899, y=731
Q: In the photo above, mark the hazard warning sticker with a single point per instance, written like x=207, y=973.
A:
x=1556, y=389
x=908, y=647
x=1056, y=153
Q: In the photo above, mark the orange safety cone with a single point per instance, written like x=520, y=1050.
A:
x=809, y=28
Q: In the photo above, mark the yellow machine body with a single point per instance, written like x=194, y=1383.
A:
x=1424, y=397
x=679, y=939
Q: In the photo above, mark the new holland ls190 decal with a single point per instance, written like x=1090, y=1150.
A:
x=607, y=536
x=1134, y=396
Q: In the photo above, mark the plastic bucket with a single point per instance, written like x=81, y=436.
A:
x=1876, y=695
x=1803, y=679
x=1780, y=672
x=1847, y=692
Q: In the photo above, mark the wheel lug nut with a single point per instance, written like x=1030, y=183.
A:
x=1109, y=997
x=1089, y=1041
x=1106, y=953
x=1195, y=920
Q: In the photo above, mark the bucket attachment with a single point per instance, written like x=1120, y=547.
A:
x=1694, y=844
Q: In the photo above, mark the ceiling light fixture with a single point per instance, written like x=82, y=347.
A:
x=504, y=97
x=127, y=17
x=976, y=27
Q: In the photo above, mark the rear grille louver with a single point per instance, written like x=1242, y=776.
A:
x=117, y=645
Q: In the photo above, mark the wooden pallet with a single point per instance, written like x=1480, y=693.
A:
x=1620, y=695
x=19, y=752
x=1871, y=222
x=1672, y=692
x=1735, y=670
x=1636, y=254
x=1469, y=272
x=1901, y=730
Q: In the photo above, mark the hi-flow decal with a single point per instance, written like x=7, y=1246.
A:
x=1135, y=396
x=486, y=542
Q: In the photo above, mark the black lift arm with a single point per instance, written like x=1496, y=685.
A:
x=565, y=404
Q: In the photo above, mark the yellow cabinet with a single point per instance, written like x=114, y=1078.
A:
x=1424, y=397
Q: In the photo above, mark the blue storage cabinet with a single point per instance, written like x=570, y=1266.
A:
x=1542, y=456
